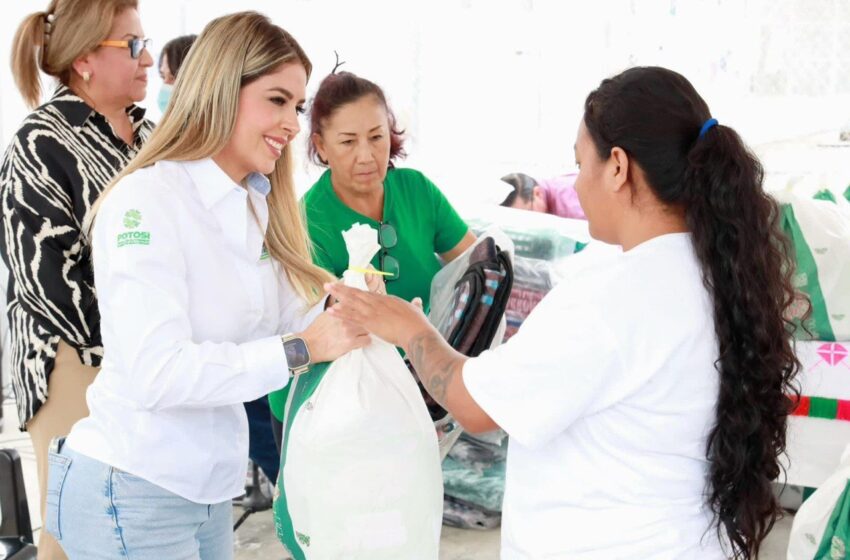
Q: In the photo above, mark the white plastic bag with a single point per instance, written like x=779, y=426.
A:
x=813, y=517
x=362, y=476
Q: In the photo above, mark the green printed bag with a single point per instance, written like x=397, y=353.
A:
x=819, y=230
x=360, y=469
x=821, y=529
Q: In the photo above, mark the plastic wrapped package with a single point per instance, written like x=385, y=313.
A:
x=474, y=471
x=533, y=279
x=475, y=474
x=478, y=453
x=445, y=283
x=541, y=243
x=468, y=301
x=457, y=513
x=535, y=235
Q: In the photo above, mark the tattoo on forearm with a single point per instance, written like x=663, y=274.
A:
x=436, y=363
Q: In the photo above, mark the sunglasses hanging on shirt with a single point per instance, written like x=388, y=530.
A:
x=388, y=238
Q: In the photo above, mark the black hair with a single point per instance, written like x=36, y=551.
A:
x=523, y=188
x=176, y=50
x=655, y=115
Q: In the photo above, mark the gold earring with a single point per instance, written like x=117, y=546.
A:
x=86, y=77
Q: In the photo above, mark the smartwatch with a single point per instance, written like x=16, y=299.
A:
x=297, y=354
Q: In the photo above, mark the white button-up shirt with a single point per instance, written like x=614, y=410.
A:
x=192, y=309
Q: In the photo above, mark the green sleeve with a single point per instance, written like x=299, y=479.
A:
x=449, y=226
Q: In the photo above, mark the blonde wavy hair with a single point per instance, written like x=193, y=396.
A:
x=231, y=52
x=52, y=40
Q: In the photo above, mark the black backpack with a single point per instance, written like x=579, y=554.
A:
x=480, y=298
x=478, y=303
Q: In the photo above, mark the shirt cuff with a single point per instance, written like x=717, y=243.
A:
x=315, y=311
x=301, y=322
x=266, y=358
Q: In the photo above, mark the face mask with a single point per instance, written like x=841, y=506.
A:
x=164, y=96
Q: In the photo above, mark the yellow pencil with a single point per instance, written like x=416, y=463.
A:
x=369, y=271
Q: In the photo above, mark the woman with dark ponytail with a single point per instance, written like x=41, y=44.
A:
x=704, y=174
x=646, y=397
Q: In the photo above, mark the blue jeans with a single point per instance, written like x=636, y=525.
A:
x=262, y=448
x=97, y=512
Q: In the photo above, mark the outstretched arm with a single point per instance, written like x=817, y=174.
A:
x=438, y=365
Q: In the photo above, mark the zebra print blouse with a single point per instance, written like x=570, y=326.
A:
x=55, y=167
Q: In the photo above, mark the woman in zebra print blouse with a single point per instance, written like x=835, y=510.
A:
x=55, y=167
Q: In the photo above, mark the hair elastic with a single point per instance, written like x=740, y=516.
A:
x=708, y=125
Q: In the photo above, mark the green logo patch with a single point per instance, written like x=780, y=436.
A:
x=132, y=219
x=134, y=238
x=264, y=255
x=302, y=538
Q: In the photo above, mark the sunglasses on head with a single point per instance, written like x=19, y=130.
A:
x=136, y=45
x=388, y=238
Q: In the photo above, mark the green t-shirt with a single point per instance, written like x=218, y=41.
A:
x=424, y=221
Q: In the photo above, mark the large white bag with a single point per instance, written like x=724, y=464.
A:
x=361, y=474
x=820, y=233
x=820, y=527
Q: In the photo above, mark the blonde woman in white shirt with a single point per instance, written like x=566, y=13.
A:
x=208, y=298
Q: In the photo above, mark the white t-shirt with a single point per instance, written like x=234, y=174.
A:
x=608, y=394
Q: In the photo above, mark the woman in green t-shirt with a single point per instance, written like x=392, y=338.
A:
x=353, y=133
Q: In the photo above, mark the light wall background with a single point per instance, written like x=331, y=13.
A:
x=486, y=87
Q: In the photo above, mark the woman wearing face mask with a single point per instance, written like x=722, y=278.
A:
x=56, y=165
x=208, y=298
x=170, y=59
x=646, y=396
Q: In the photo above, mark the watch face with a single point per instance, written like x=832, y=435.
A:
x=296, y=352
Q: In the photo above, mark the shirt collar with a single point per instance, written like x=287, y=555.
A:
x=259, y=183
x=214, y=184
x=77, y=112
x=325, y=183
x=228, y=202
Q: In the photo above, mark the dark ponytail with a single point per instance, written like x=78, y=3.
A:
x=656, y=116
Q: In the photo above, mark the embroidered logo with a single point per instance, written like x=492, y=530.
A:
x=134, y=238
x=264, y=255
x=132, y=219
